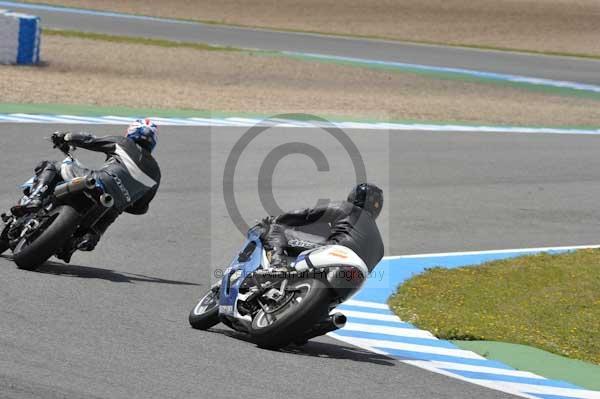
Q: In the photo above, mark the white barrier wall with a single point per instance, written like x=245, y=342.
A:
x=19, y=38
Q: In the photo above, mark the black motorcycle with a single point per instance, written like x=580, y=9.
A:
x=58, y=225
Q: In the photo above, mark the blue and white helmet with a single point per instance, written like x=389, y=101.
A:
x=144, y=132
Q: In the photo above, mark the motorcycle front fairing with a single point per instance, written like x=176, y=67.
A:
x=242, y=266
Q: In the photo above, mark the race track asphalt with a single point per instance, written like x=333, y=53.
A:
x=539, y=66
x=113, y=324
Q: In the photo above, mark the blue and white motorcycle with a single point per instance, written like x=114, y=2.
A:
x=281, y=308
x=55, y=228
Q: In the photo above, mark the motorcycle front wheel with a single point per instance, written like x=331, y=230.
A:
x=30, y=253
x=206, y=313
x=279, y=324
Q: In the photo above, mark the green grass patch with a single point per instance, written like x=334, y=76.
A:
x=136, y=40
x=551, y=302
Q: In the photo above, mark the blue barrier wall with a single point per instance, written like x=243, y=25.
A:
x=19, y=38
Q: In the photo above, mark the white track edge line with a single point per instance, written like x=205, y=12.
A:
x=248, y=122
x=491, y=252
x=366, y=304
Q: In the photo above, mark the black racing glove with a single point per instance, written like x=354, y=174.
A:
x=58, y=141
x=264, y=226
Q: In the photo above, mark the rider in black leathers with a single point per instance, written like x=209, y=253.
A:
x=130, y=173
x=349, y=223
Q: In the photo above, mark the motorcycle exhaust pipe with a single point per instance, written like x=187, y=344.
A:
x=338, y=320
x=74, y=186
x=107, y=200
x=332, y=323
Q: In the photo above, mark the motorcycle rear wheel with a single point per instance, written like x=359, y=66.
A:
x=283, y=325
x=206, y=313
x=30, y=255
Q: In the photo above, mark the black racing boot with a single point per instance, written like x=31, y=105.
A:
x=90, y=239
x=36, y=198
x=88, y=242
x=46, y=177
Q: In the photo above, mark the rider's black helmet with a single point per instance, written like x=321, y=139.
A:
x=367, y=196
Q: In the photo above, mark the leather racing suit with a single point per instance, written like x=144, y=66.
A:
x=130, y=174
x=340, y=223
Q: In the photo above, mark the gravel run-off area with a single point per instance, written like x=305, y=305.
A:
x=101, y=73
